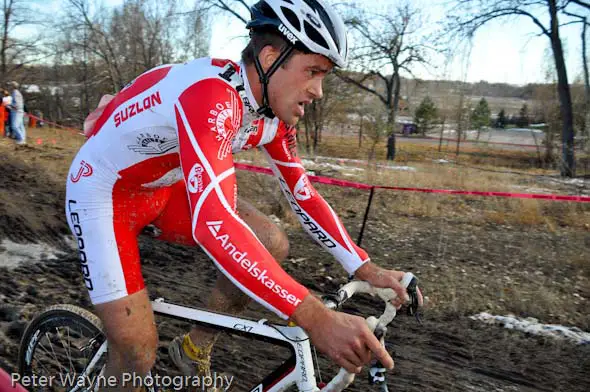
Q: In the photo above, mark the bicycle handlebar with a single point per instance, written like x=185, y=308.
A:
x=377, y=325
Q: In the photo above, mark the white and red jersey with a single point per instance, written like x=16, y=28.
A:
x=183, y=123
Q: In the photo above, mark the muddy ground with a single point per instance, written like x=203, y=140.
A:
x=464, y=268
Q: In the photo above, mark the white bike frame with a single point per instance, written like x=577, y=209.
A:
x=298, y=369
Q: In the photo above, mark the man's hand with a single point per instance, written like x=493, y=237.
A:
x=345, y=338
x=380, y=277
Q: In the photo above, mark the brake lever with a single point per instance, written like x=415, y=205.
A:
x=414, y=305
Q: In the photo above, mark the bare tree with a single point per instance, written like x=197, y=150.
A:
x=17, y=52
x=386, y=43
x=468, y=16
x=135, y=37
x=585, y=22
x=240, y=9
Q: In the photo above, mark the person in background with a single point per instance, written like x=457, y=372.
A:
x=391, y=147
x=17, y=112
x=5, y=114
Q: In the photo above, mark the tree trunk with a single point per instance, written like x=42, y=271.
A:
x=459, y=123
x=442, y=130
x=391, y=128
x=307, y=124
x=568, y=168
x=586, y=86
x=361, y=133
x=315, y=140
x=391, y=113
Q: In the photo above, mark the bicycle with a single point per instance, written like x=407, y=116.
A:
x=69, y=330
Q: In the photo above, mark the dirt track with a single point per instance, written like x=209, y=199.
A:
x=449, y=353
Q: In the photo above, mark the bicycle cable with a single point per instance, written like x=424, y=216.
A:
x=317, y=364
x=285, y=336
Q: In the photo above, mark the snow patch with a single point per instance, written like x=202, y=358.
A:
x=12, y=254
x=533, y=326
x=576, y=181
x=357, y=161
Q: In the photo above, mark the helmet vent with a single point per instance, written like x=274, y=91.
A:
x=314, y=35
x=292, y=18
x=314, y=5
x=288, y=1
x=268, y=12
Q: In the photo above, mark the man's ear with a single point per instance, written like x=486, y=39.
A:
x=267, y=57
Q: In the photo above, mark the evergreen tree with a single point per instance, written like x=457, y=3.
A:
x=501, y=120
x=425, y=115
x=523, y=120
x=481, y=115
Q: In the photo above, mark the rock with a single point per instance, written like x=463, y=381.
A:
x=8, y=313
x=32, y=290
x=15, y=329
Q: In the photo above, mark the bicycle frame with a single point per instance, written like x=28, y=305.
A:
x=298, y=369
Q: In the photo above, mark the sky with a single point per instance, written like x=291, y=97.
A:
x=502, y=51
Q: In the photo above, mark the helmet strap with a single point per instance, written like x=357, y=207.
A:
x=265, y=109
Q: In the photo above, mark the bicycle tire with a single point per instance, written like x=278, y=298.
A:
x=54, y=317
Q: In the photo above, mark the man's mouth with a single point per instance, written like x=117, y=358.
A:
x=301, y=106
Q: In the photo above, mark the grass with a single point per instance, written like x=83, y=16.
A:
x=480, y=169
x=451, y=290
x=471, y=172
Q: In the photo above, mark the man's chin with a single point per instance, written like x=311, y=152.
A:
x=291, y=121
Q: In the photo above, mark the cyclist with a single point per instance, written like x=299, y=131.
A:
x=160, y=153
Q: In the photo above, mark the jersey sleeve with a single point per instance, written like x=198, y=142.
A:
x=315, y=214
x=208, y=114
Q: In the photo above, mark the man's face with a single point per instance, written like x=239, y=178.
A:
x=297, y=83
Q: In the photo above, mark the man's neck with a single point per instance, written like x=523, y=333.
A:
x=254, y=82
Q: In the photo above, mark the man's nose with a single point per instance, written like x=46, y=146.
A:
x=315, y=89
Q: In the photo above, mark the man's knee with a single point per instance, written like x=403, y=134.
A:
x=134, y=349
x=131, y=332
x=277, y=243
x=272, y=236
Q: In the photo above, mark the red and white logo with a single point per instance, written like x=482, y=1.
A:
x=303, y=190
x=214, y=227
x=225, y=120
x=85, y=170
x=195, y=179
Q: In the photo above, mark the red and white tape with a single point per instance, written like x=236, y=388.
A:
x=358, y=185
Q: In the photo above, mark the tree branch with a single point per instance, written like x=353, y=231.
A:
x=581, y=3
x=361, y=86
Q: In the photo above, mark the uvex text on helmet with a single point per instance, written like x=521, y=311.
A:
x=312, y=24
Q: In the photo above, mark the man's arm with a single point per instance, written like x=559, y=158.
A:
x=315, y=214
x=207, y=116
x=320, y=220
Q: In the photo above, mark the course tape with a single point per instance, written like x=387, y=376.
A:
x=55, y=124
x=358, y=185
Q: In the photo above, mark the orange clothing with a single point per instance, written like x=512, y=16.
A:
x=3, y=116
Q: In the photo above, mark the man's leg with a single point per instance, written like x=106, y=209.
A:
x=226, y=297
x=105, y=219
x=132, y=336
x=192, y=352
x=23, y=129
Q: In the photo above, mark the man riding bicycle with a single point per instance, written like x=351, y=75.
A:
x=160, y=153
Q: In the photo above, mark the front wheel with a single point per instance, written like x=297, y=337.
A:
x=60, y=344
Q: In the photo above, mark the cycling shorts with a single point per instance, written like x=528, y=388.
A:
x=106, y=210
